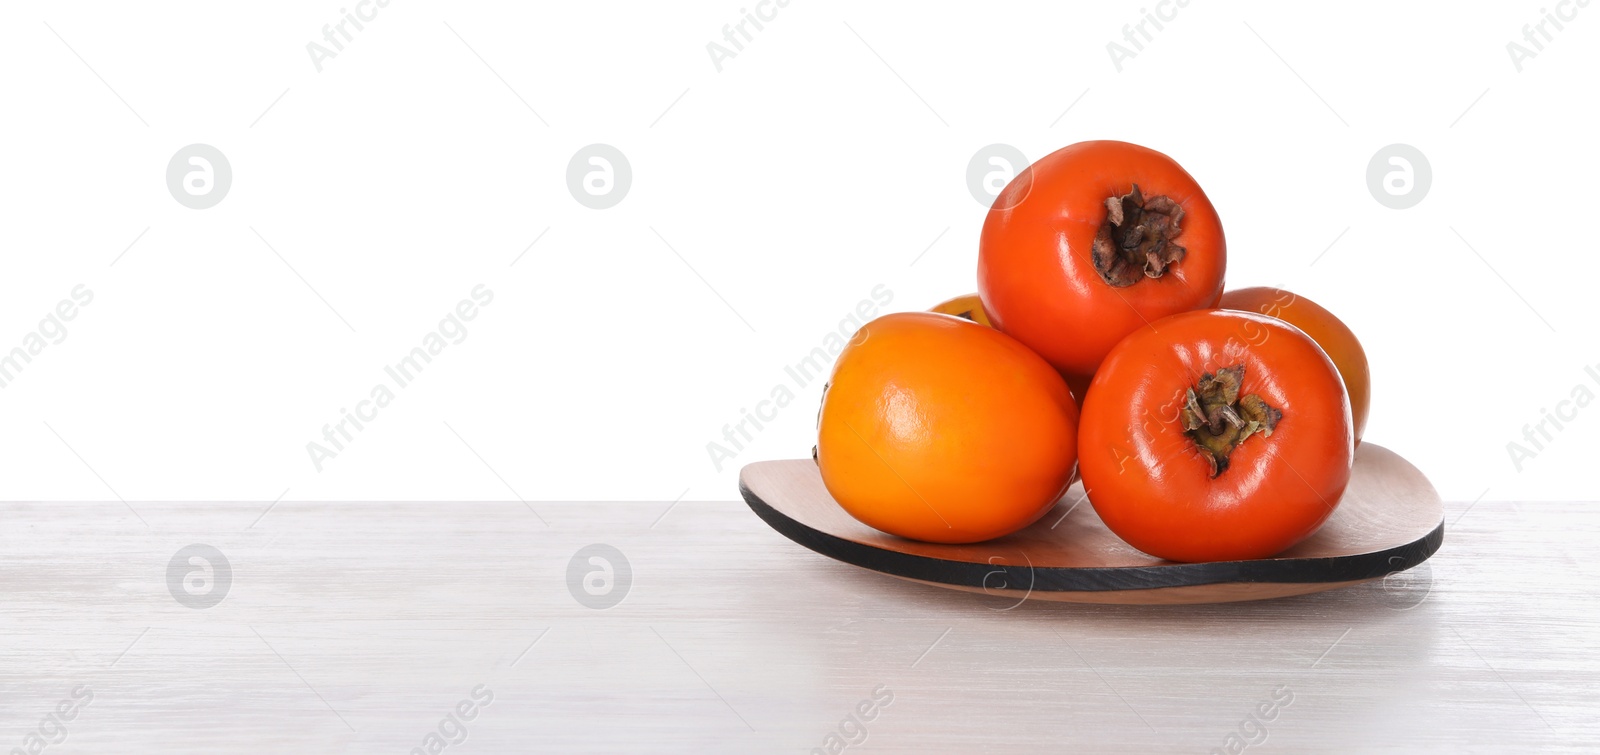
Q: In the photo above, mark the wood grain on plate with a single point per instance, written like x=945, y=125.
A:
x=1389, y=520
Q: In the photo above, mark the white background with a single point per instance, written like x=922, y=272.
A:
x=820, y=162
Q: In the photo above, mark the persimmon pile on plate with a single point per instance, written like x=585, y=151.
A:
x=1206, y=424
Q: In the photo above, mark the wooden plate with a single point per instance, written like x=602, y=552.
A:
x=1389, y=520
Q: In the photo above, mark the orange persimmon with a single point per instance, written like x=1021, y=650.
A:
x=1328, y=331
x=966, y=307
x=936, y=428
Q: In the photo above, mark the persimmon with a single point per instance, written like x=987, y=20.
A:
x=1328, y=331
x=1216, y=435
x=967, y=307
x=936, y=428
x=1093, y=241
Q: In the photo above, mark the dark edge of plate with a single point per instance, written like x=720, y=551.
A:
x=1100, y=579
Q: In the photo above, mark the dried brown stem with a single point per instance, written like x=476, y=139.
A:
x=1218, y=419
x=1135, y=241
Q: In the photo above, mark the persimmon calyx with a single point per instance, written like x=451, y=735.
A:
x=1218, y=419
x=1135, y=241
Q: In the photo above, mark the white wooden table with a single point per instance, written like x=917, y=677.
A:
x=362, y=627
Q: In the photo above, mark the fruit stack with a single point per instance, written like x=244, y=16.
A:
x=1206, y=424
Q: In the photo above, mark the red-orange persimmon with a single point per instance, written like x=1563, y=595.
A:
x=1215, y=435
x=1093, y=241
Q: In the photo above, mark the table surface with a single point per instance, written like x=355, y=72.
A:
x=363, y=627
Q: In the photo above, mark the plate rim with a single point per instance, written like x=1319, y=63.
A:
x=1352, y=567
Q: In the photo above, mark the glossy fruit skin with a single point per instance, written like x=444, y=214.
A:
x=1145, y=477
x=970, y=307
x=967, y=307
x=938, y=429
x=1328, y=331
x=1035, y=271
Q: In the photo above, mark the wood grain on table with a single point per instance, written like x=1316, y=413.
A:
x=371, y=627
